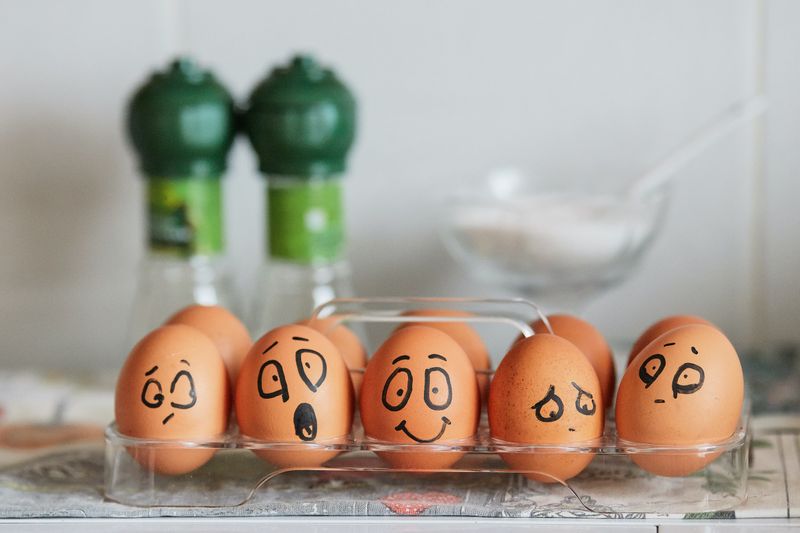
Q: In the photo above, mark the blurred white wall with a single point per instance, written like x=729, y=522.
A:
x=447, y=90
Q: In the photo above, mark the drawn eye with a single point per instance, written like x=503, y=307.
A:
x=397, y=389
x=271, y=381
x=152, y=395
x=688, y=379
x=182, y=390
x=312, y=368
x=438, y=392
x=651, y=368
x=584, y=403
x=550, y=408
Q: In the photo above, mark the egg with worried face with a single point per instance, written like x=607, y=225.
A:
x=684, y=388
x=294, y=387
x=420, y=388
x=173, y=386
x=545, y=391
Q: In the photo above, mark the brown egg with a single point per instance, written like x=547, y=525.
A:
x=593, y=345
x=294, y=387
x=420, y=387
x=173, y=386
x=348, y=344
x=545, y=391
x=662, y=326
x=684, y=388
x=465, y=335
x=222, y=327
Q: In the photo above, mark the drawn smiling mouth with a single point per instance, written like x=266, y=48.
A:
x=402, y=427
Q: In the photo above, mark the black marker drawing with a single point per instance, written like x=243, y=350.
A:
x=397, y=389
x=694, y=350
x=271, y=346
x=659, y=400
x=688, y=379
x=551, y=416
x=305, y=422
x=268, y=390
x=192, y=393
x=153, y=387
x=149, y=386
x=436, y=379
x=312, y=368
x=651, y=368
x=669, y=344
x=402, y=427
x=579, y=405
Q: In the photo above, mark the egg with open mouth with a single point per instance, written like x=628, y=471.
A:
x=294, y=388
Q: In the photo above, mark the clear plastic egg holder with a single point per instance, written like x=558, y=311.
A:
x=611, y=484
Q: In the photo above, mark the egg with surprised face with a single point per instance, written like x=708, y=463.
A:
x=684, y=388
x=545, y=391
x=420, y=388
x=294, y=387
x=172, y=386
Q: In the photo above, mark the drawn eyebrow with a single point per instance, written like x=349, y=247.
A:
x=694, y=350
x=299, y=339
x=437, y=356
x=186, y=362
x=669, y=344
x=401, y=358
x=151, y=370
x=271, y=346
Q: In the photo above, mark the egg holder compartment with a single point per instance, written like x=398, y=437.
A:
x=612, y=484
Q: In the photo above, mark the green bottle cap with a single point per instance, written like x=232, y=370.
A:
x=181, y=122
x=301, y=120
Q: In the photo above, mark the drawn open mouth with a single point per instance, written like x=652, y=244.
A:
x=402, y=427
x=305, y=422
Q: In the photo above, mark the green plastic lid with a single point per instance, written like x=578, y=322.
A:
x=181, y=122
x=301, y=120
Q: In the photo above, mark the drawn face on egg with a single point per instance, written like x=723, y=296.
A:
x=685, y=387
x=419, y=386
x=437, y=391
x=180, y=395
x=291, y=371
x=687, y=378
x=551, y=407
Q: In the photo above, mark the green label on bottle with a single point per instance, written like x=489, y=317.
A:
x=306, y=221
x=184, y=216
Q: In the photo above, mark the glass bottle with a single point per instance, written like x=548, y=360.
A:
x=180, y=123
x=301, y=123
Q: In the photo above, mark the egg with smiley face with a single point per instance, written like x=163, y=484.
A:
x=173, y=386
x=420, y=388
x=294, y=388
x=545, y=391
x=684, y=388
